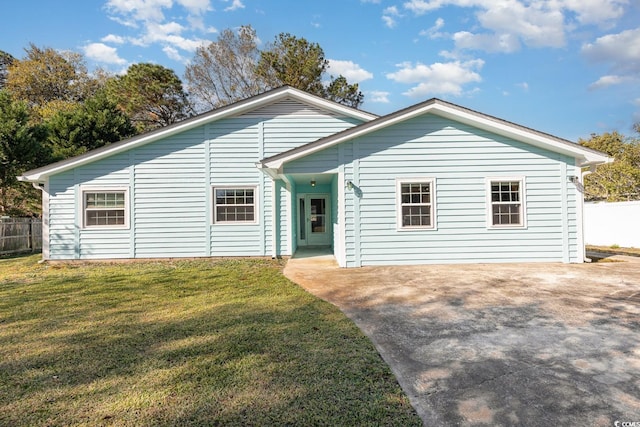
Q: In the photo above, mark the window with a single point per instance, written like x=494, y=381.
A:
x=416, y=203
x=506, y=202
x=235, y=205
x=105, y=208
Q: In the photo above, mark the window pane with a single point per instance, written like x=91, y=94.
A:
x=415, y=201
x=105, y=217
x=234, y=205
x=506, y=214
x=104, y=200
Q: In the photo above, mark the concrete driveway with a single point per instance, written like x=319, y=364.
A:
x=508, y=344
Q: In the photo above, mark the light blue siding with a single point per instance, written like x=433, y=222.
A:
x=170, y=182
x=460, y=158
x=169, y=200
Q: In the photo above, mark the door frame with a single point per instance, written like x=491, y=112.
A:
x=306, y=242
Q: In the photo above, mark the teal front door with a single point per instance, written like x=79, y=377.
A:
x=314, y=220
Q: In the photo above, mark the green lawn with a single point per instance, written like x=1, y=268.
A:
x=208, y=342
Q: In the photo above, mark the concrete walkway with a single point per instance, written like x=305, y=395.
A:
x=509, y=344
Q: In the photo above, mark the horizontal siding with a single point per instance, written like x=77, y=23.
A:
x=104, y=244
x=460, y=158
x=286, y=107
x=169, y=199
x=282, y=134
x=234, y=150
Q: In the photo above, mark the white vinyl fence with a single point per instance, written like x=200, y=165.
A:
x=607, y=224
x=20, y=235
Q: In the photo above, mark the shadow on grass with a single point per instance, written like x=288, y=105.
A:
x=186, y=343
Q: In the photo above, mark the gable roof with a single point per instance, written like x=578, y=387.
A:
x=241, y=107
x=585, y=156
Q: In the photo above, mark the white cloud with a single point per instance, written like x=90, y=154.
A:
x=505, y=43
x=173, y=53
x=609, y=80
x=112, y=38
x=524, y=86
x=391, y=10
x=420, y=7
x=100, y=52
x=434, y=31
x=505, y=24
x=438, y=78
x=141, y=10
x=149, y=17
x=598, y=12
x=352, y=71
x=235, y=5
x=622, y=50
x=389, y=21
x=196, y=7
x=536, y=24
x=389, y=16
x=378, y=96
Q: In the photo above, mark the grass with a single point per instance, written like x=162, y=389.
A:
x=182, y=343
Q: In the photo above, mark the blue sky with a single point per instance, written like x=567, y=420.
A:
x=566, y=67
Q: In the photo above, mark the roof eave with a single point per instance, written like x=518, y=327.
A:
x=42, y=174
x=453, y=112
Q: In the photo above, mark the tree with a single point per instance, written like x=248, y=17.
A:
x=619, y=180
x=294, y=62
x=6, y=60
x=298, y=63
x=224, y=71
x=46, y=76
x=95, y=123
x=151, y=95
x=343, y=93
x=233, y=68
x=20, y=149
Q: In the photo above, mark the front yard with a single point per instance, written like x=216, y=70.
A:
x=182, y=343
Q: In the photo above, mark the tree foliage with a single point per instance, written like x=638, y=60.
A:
x=95, y=123
x=20, y=149
x=224, y=71
x=151, y=95
x=340, y=91
x=295, y=62
x=49, y=80
x=233, y=68
x=619, y=180
x=6, y=60
x=301, y=64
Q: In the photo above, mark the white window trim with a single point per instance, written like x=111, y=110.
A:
x=256, y=204
x=523, y=202
x=104, y=189
x=414, y=180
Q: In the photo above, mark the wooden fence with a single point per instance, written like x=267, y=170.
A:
x=20, y=235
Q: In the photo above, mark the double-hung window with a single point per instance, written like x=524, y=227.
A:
x=415, y=203
x=105, y=208
x=234, y=204
x=505, y=202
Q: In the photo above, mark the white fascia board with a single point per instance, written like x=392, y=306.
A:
x=515, y=132
x=585, y=156
x=348, y=135
x=41, y=174
x=331, y=106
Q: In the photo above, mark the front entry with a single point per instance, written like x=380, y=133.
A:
x=314, y=220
